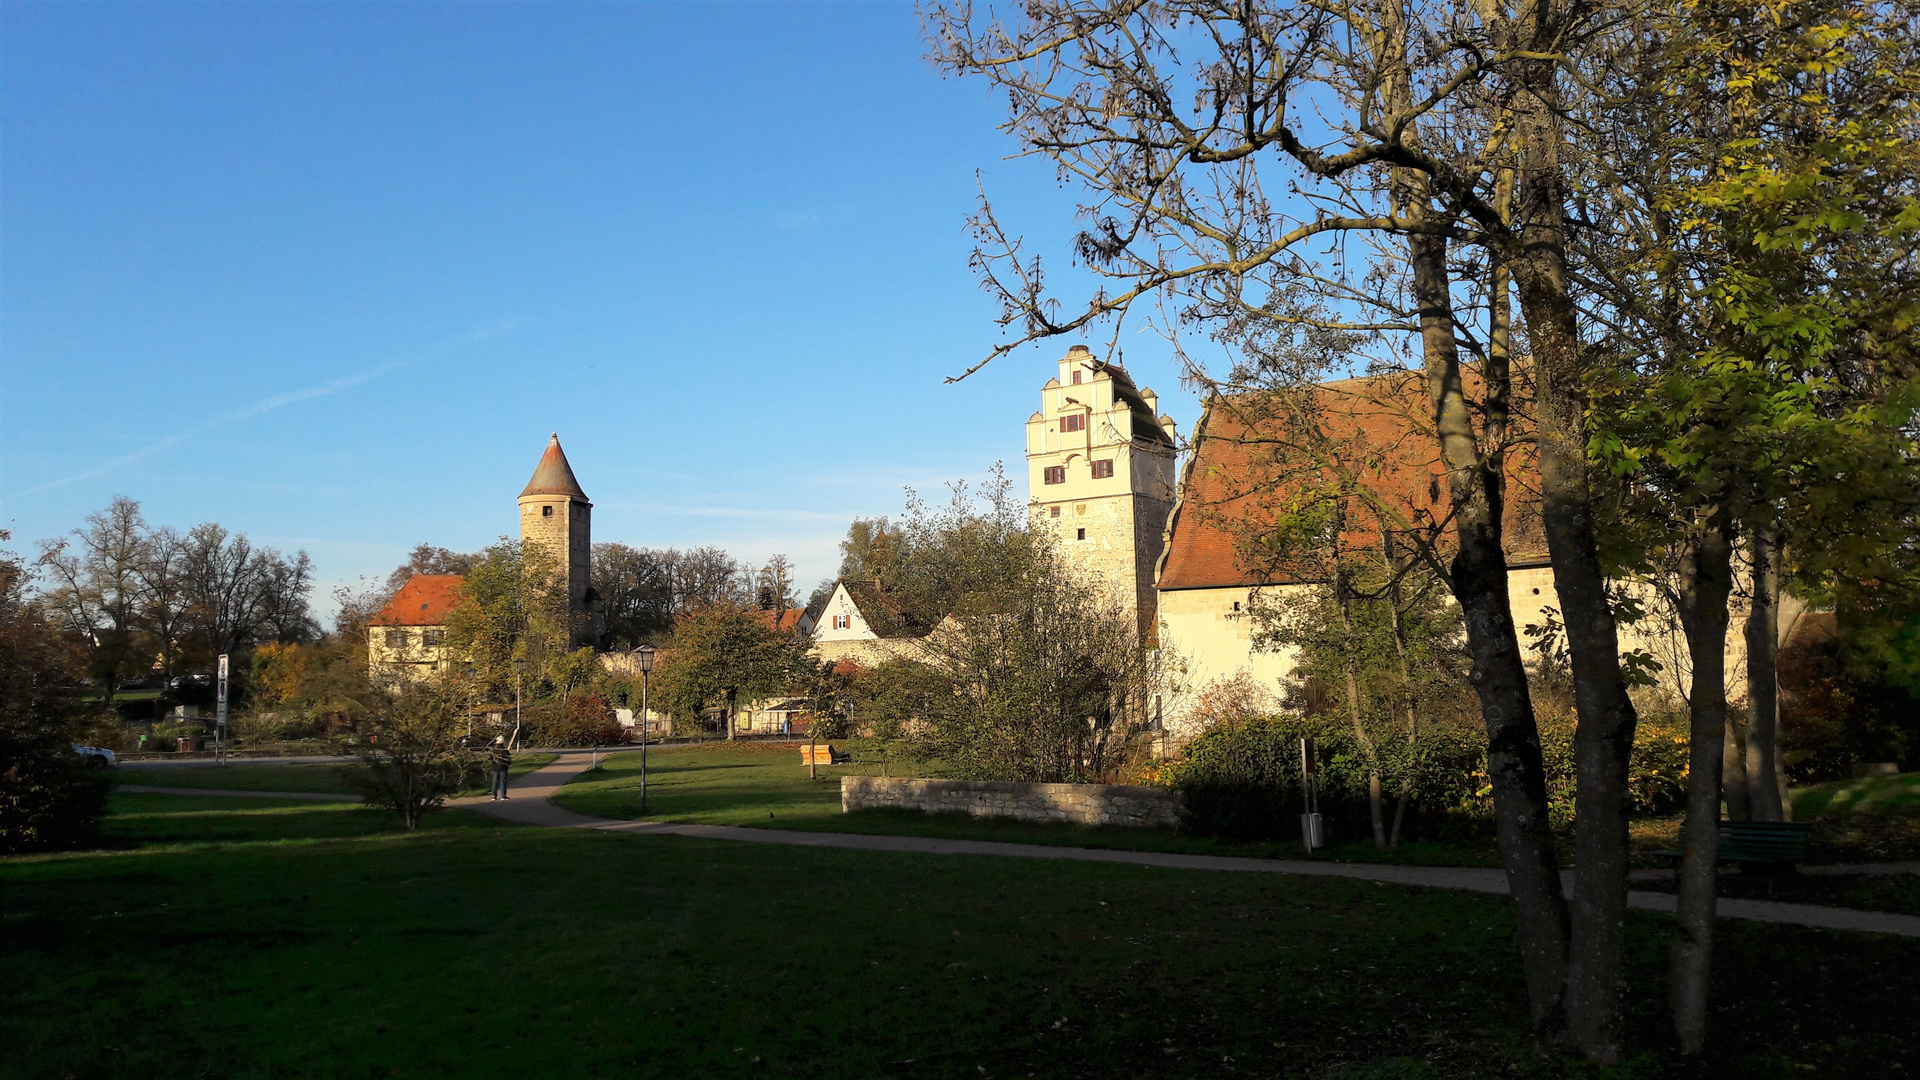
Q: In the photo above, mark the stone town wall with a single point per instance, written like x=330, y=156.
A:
x=1088, y=804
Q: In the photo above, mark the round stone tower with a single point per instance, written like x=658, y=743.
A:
x=556, y=516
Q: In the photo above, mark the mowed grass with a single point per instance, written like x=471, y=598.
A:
x=469, y=948
x=255, y=776
x=764, y=785
x=1867, y=795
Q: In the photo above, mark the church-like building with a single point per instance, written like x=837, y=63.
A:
x=406, y=639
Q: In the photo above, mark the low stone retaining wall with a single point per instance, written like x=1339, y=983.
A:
x=1088, y=804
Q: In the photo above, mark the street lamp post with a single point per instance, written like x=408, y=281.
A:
x=519, y=668
x=644, y=654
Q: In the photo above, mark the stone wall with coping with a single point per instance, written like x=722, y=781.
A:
x=1088, y=804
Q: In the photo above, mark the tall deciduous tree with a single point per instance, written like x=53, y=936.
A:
x=1424, y=132
x=95, y=593
x=512, y=606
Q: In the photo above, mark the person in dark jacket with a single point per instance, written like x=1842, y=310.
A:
x=502, y=758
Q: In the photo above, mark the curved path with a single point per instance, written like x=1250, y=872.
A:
x=530, y=796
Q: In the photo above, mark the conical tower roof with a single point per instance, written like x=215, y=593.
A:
x=554, y=476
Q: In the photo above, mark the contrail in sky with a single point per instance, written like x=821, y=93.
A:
x=291, y=397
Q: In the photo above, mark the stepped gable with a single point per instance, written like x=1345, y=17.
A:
x=423, y=601
x=1248, y=458
x=554, y=476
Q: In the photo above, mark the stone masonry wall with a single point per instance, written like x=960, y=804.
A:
x=1088, y=804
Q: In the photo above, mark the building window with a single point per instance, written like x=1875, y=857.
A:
x=1076, y=376
x=1055, y=474
x=432, y=637
x=396, y=639
x=1053, y=511
x=1236, y=605
x=1080, y=534
x=843, y=622
x=546, y=511
x=1076, y=422
x=1103, y=469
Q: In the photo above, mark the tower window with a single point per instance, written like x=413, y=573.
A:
x=1053, y=511
x=1080, y=534
x=1076, y=376
x=1055, y=474
x=1103, y=469
x=1076, y=422
x=546, y=511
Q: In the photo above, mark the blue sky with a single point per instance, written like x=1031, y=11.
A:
x=329, y=273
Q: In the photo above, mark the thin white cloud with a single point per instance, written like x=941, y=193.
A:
x=282, y=400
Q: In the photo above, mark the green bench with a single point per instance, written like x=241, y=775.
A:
x=1769, y=847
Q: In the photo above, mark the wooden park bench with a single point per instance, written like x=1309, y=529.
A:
x=821, y=754
x=1768, y=847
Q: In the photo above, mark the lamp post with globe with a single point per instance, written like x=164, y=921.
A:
x=644, y=655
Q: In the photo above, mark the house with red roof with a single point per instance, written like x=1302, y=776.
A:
x=406, y=639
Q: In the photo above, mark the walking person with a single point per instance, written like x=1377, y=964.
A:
x=502, y=758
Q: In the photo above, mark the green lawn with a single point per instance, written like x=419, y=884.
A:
x=238, y=776
x=253, y=776
x=1868, y=795
x=316, y=941
x=765, y=786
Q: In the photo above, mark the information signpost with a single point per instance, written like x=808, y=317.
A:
x=220, y=716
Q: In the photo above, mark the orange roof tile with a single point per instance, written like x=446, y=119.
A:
x=1255, y=454
x=423, y=601
x=785, y=621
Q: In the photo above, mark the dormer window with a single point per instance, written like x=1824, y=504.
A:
x=1076, y=422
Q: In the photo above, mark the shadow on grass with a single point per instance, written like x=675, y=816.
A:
x=140, y=821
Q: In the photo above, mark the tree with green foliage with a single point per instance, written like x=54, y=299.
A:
x=726, y=653
x=512, y=606
x=1760, y=286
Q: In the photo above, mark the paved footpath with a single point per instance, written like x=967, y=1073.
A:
x=529, y=803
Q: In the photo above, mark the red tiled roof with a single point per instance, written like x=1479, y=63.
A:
x=423, y=601
x=783, y=621
x=553, y=476
x=1251, y=456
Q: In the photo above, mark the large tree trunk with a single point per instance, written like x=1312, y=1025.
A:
x=1764, y=788
x=1708, y=578
x=1603, y=740
x=1733, y=765
x=1478, y=577
x=1476, y=479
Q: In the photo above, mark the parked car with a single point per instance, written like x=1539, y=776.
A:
x=97, y=757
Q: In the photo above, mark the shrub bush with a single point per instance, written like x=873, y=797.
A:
x=580, y=720
x=1242, y=780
